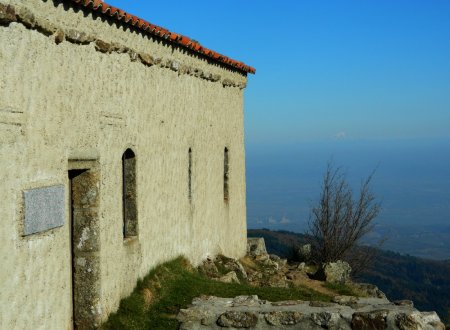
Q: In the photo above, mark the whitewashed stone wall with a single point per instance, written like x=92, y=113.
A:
x=75, y=87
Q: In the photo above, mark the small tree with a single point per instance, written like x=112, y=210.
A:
x=338, y=221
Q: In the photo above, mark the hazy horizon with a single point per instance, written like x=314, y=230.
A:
x=412, y=180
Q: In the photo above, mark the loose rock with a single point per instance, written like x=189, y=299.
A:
x=209, y=268
x=237, y=320
x=256, y=246
x=230, y=277
x=304, y=252
x=232, y=265
x=337, y=272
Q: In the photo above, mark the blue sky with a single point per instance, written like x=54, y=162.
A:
x=376, y=69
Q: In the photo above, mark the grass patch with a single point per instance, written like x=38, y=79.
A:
x=341, y=289
x=165, y=290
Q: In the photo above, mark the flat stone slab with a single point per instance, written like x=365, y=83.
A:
x=250, y=312
x=44, y=209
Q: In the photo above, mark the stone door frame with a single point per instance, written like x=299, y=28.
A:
x=84, y=200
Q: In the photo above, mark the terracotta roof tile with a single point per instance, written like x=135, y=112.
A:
x=175, y=38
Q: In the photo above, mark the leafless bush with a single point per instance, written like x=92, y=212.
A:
x=339, y=220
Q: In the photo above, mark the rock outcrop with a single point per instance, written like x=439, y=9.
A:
x=370, y=311
x=209, y=312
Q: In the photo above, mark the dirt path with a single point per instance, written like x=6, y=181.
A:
x=314, y=285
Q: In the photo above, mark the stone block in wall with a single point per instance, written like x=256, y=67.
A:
x=44, y=209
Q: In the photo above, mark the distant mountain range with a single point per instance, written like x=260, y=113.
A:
x=426, y=282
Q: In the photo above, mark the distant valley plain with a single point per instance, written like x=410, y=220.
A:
x=412, y=181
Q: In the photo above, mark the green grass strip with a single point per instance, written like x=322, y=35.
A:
x=173, y=286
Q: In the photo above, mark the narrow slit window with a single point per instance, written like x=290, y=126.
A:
x=226, y=193
x=190, y=175
x=130, y=224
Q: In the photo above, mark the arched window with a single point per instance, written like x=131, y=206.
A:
x=190, y=175
x=226, y=195
x=130, y=224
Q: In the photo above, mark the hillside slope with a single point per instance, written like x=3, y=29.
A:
x=426, y=282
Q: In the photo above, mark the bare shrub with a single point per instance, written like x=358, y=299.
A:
x=339, y=220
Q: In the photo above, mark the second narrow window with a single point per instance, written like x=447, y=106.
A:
x=190, y=175
x=226, y=193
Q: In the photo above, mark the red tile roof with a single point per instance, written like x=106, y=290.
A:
x=175, y=38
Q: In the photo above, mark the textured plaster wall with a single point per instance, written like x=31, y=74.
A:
x=70, y=101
